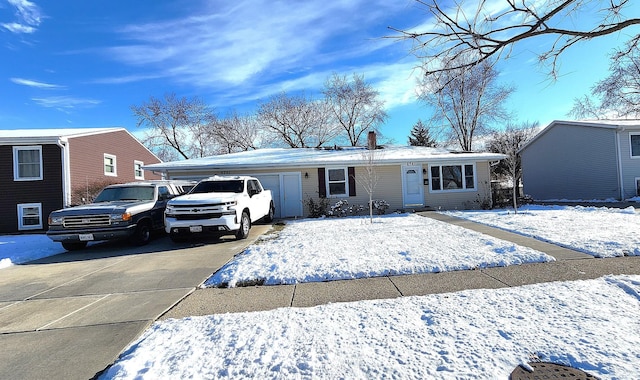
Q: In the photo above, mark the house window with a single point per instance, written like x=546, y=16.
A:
x=30, y=216
x=337, y=184
x=110, y=165
x=452, y=177
x=137, y=169
x=638, y=187
x=635, y=145
x=27, y=163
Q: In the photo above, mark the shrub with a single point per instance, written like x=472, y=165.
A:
x=318, y=208
x=380, y=206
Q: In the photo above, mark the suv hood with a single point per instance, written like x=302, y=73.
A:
x=204, y=198
x=117, y=207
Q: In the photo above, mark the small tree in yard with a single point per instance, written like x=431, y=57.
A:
x=368, y=178
x=509, y=142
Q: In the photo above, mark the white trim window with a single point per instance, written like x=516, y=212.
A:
x=138, y=173
x=27, y=163
x=337, y=182
x=634, y=145
x=452, y=177
x=110, y=165
x=30, y=216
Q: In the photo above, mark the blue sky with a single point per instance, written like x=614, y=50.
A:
x=82, y=64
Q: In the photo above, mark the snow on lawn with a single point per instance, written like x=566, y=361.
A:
x=598, y=231
x=346, y=248
x=18, y=249
x=590, y=325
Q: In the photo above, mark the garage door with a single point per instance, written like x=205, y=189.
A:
x=286, y=190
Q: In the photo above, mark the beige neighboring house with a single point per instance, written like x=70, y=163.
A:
x=408, y=178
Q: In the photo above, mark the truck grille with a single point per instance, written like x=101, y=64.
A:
x=86, y=221
x=198, y=216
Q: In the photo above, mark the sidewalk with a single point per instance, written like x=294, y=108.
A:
x=569, y=265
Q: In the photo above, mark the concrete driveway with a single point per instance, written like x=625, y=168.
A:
x=69, y=316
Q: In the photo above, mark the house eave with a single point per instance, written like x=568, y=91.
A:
x=452, y=158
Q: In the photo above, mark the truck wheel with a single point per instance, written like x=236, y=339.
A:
x=245, y=225
x=272, y=211
x=142, y=235
x=73, y=246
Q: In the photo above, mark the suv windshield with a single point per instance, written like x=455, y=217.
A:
x=232, y=186
x=133, y=193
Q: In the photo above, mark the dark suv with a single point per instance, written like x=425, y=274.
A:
x=131, y=210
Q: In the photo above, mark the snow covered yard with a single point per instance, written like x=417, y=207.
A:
x=346, y=248
x=598, y=231
x=475, y=334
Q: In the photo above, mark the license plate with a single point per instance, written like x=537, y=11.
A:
x=85, y=237
x=195, y=228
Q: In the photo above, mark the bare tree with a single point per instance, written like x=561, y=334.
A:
x=618, y=95
x=355, y=105
x=236, y=133
x=482, y=30
x=509, y=142
x=297, y=120
x=176, y=126
x=466, y=100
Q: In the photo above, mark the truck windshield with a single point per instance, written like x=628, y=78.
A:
x=133, y=193
x=233, y=186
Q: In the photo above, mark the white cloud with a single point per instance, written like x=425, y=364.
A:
x=236, y=43
x=29, y=17
x=65, y=102
x=18, y=28
x=36, y=84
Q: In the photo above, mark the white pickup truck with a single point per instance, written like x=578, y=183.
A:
x=219, y=205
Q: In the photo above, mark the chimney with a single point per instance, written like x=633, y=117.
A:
x=372, y=143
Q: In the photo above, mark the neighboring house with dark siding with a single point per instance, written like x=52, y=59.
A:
x=583, y=160
x=406, y=177
x=41, y=169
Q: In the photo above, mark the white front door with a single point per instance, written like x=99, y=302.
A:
x=412, y=186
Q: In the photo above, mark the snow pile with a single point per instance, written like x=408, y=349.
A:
x=346, y=248
x=591, y=325
x=18, y=249
x=598, y=231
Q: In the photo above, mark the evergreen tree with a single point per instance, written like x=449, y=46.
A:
x=421, y=136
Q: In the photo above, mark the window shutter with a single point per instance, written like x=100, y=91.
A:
x=322, y=184
x=352, y=181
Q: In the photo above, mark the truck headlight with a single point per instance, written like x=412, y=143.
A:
x=55, y=220
x=124, y=217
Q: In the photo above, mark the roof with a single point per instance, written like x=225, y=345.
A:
x=49, y=135
x=619, y=124
x=306, y=157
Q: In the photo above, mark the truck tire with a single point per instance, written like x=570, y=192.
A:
x=272, y=211
x=142, y=235
x=245, y=225
x=73, y=245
